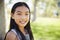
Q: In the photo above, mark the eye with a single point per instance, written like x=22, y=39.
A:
x=26, y=14
x=18, y=13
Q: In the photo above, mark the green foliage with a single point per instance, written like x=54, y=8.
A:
x=46, y=29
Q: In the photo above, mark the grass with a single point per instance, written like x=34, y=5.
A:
x=46, y=28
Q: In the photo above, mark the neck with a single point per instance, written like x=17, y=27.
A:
x=22, y=30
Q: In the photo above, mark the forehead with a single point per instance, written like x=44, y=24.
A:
x=22, y=8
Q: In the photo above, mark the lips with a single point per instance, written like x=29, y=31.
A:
x=22, y=22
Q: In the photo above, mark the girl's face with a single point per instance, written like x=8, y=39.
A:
x=21, y=16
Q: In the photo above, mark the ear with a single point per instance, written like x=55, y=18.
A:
x=12, y=15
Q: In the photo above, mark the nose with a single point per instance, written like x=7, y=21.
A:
x=23, y=17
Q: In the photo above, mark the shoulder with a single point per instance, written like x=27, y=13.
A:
x=11, y=36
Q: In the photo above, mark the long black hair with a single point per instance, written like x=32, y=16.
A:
x=13, y=24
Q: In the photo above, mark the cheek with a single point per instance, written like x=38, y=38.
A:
x=16, y=19
x=27, y=18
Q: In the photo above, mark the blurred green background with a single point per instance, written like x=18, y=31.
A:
x=45, y=18
x=46, y=29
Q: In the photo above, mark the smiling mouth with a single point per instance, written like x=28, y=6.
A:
x=22, y=22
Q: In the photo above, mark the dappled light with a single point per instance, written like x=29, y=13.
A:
x=45, y=18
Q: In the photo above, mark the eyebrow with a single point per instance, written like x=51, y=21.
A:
x=18, y=11
x=27, y=11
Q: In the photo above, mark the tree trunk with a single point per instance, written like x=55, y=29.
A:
x=34, y=13
x=2, y=20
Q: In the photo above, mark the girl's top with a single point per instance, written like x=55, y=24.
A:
x=19, y=36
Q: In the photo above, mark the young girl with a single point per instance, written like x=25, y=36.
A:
x=20, y=23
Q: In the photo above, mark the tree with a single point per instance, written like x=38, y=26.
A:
x=2, y=20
